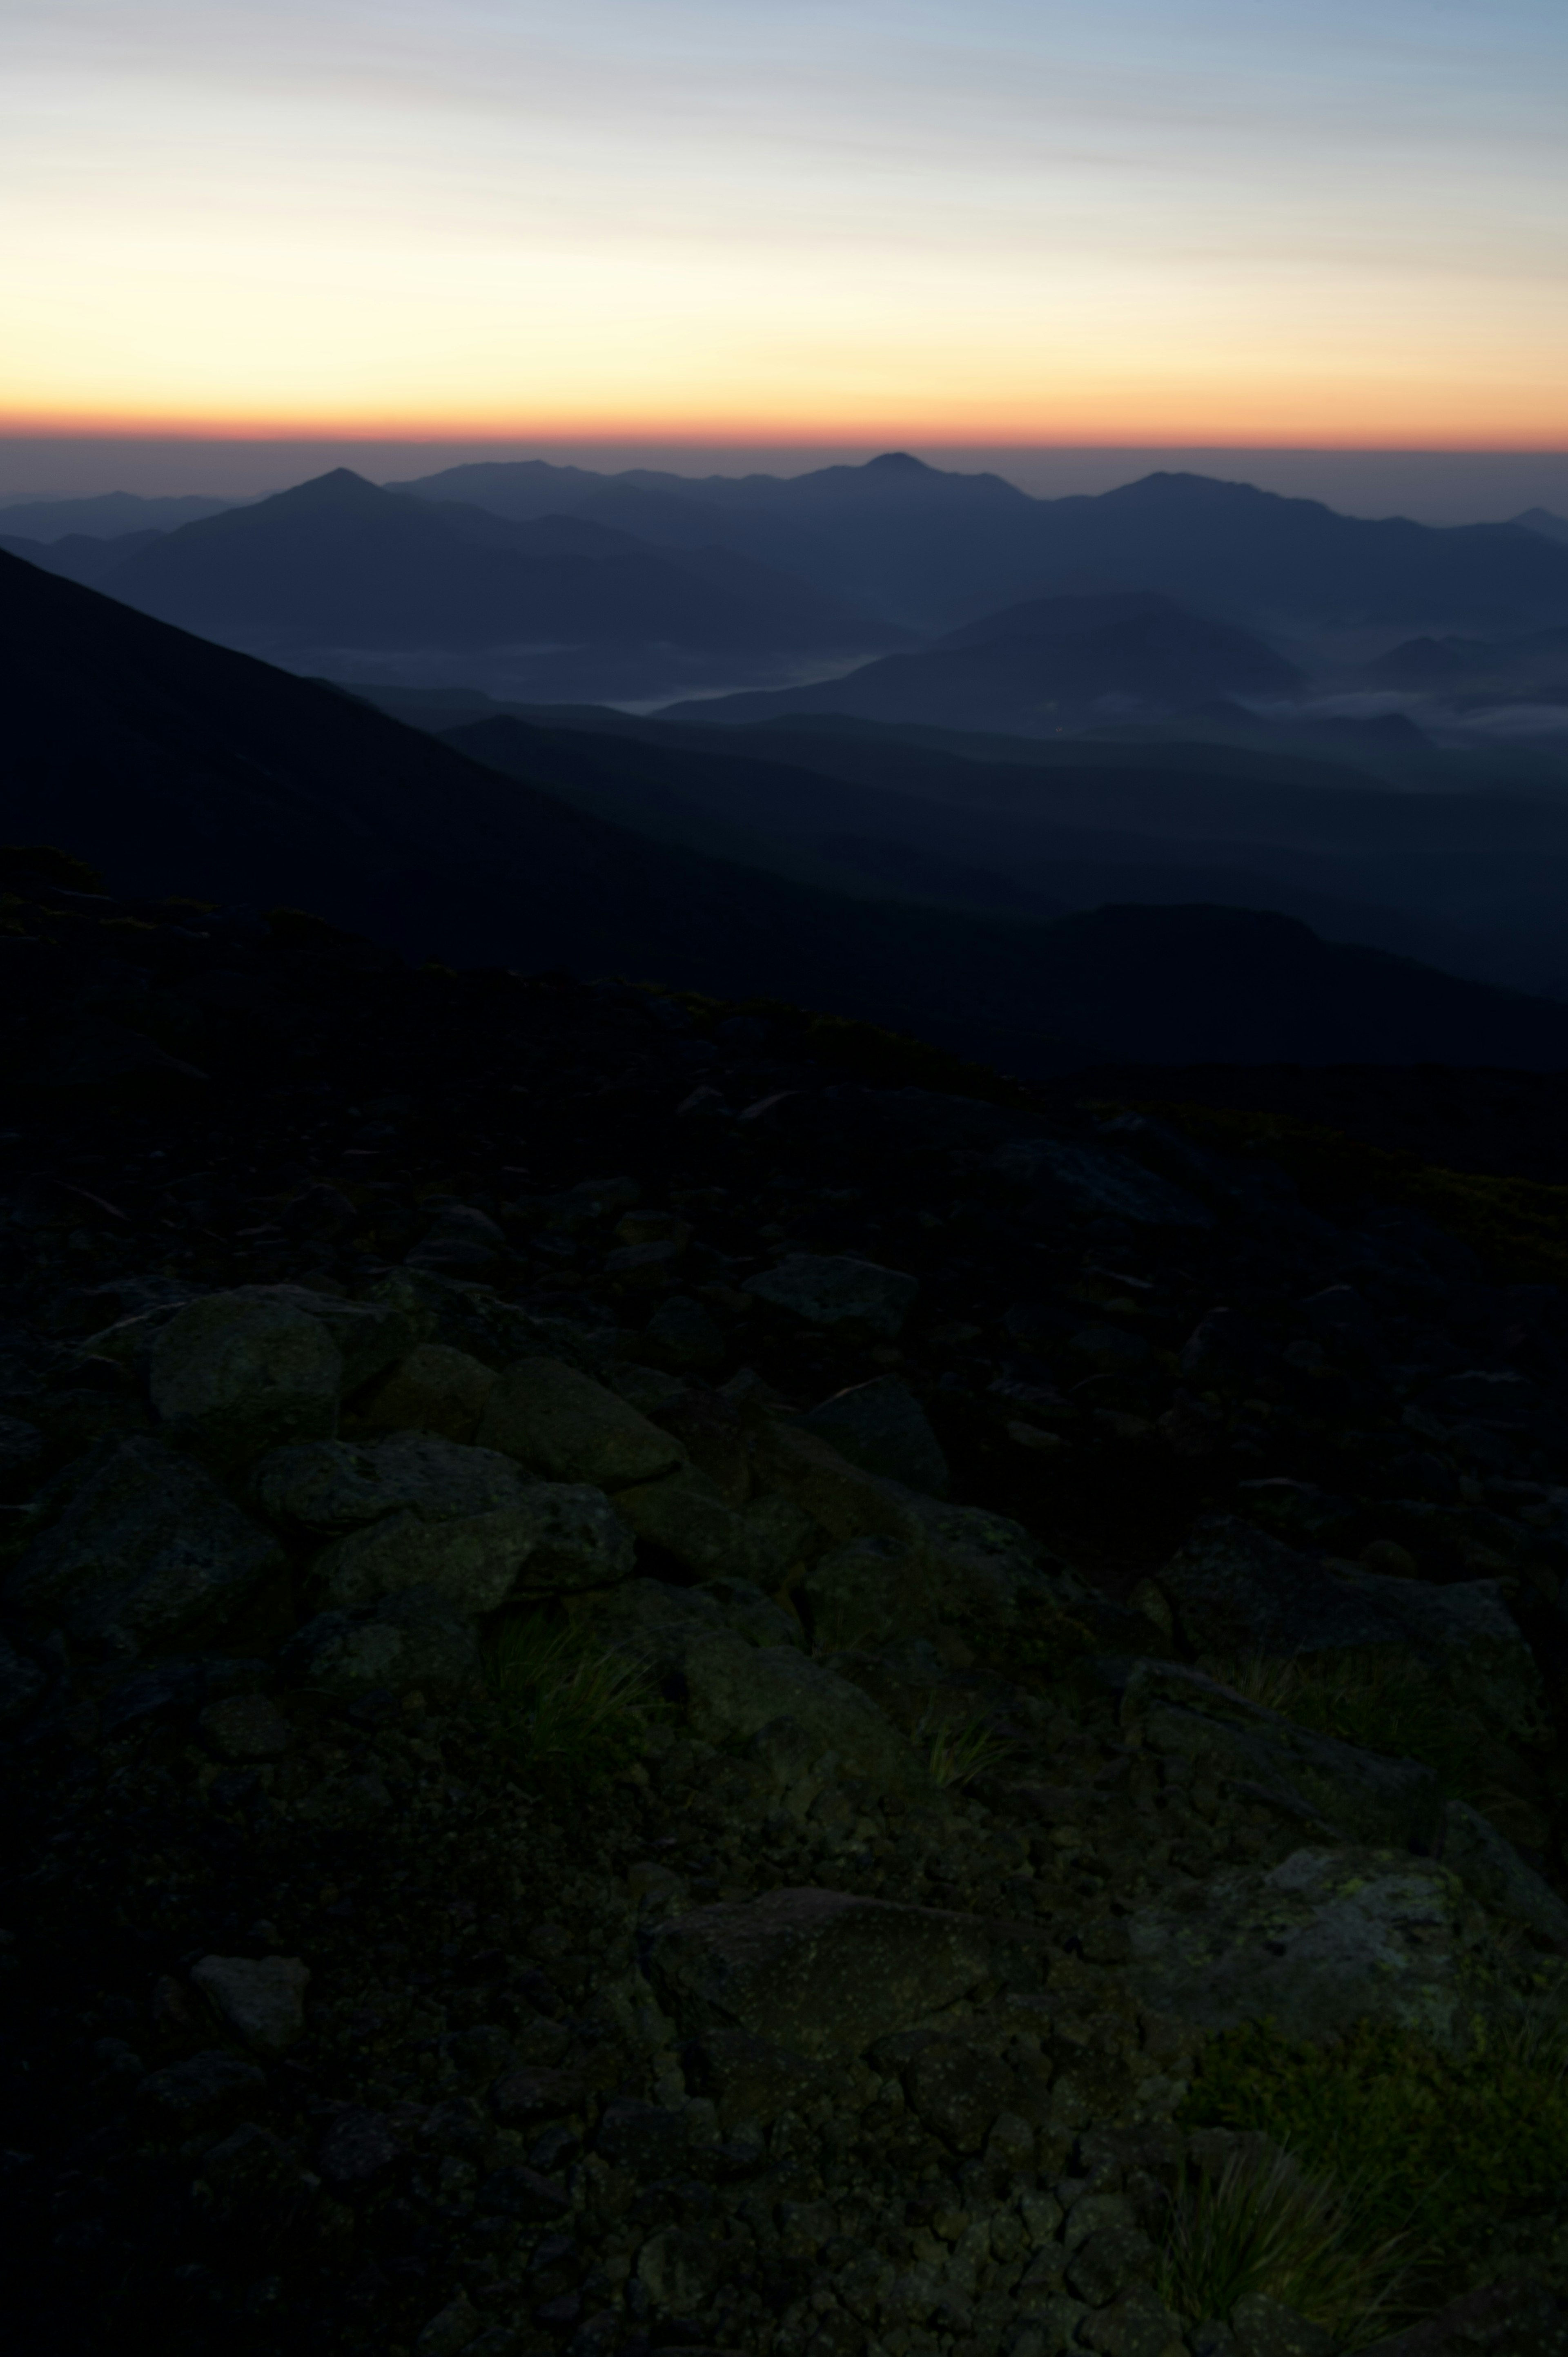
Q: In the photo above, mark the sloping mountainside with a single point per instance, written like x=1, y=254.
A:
x=1034, y=668
x=929, y=547
x=806, y=1731
x=336, y=563
x=151, y=750
x=1475, y=882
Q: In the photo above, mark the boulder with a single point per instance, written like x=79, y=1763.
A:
x=822, y=1972
x=149, y=1549
x=335, y=1485
x=370, y=1335
x=846, y=1503
x=734, y=1688
x=579, y=1540
x=1351, y=1794
x=262, y=2000
x=474, y=1561
x=868, y=1592
x=406, y=1641
x=684, y=1516
x=1326, y=1938
x=231, y=1376
x=882, y=1427
x=434, y=1389
x=827, y=1291
x=564, y=1425
x=1491, y=1869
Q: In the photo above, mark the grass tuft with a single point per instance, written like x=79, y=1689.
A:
x=958, y=1750
x=1261, y=2225
x=568, y=1711
x=1446, y=2148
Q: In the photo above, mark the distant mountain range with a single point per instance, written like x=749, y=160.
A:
x=932, y=548
x=173, y=762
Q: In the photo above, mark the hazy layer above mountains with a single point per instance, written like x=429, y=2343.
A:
x=171, y=761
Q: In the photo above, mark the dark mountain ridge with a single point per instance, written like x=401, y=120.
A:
x=176, y=764
x=930, y=546
x=338, y=561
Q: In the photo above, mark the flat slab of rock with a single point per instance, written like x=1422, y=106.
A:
x=1354, y=1795
x=333, y=1486
x=829, y=1290
x=261, y=1999
x=149, y=1549
x=566, y=1428
x=822, y=1972
x=1087, y=1179
x=1326, y=1938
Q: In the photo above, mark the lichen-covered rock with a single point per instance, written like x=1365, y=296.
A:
x=232, y=1376
x=371, y=1336
x=1326, y=1938
x=410, y=1639
x=1490, y=1868
x=882, y=1427
x=472, y=1560
x=564, y=1425
x=335, y=1485
x=434, y=1389
x=149, y=1549
x=821, y=1972
x=829, y=1290
x=1353, y=1795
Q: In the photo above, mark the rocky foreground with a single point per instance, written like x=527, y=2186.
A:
x=669, y=1683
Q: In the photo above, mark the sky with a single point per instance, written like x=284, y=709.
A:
x=844, y=223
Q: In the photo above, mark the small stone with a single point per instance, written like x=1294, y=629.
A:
x=1111, y=2258
x=566, y=1428
x=202, y=2084
x=451, y=2328
x=1264, y=2327
x=830, y=1291
x=248, y=2174
x=537, y=2093
x=323, y=1214
x=246, y=1726
x=262, y=2000
x=357, y=2148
